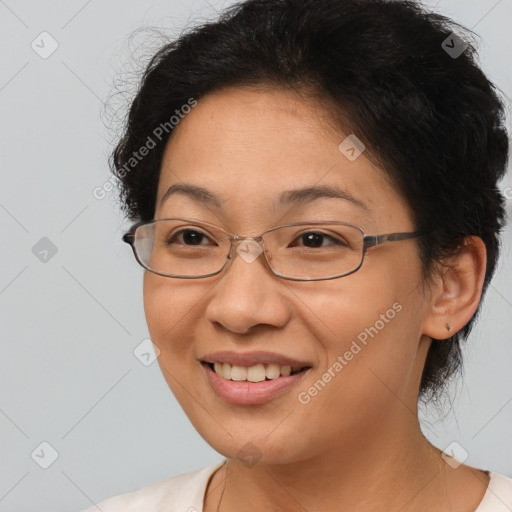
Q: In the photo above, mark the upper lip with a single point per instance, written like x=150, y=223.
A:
x=253, y=358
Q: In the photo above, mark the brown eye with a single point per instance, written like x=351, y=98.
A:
x=189, y=237
x=315, y=239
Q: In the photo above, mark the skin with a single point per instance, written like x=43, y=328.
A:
x=352, y=443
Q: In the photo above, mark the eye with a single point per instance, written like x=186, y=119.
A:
x=187, y=237
x=315, y=239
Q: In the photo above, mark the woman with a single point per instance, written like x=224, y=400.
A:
x=315, y=185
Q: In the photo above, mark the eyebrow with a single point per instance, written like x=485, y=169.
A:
x=295, y=197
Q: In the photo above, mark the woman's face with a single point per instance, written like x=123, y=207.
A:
x=361, y=335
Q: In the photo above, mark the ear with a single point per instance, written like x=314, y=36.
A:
x=456, y=290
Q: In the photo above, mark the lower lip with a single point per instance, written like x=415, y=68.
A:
x=250, y=393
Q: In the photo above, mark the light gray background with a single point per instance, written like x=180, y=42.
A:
x=69, y=325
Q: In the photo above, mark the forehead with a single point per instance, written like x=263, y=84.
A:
x=252, y=148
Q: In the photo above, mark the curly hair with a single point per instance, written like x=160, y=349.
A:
x=429, y=117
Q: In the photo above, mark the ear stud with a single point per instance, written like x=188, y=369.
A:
x=448, y=327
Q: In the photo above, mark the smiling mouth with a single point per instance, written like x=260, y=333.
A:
x=256, y=373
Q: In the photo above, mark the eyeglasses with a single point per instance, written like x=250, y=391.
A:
x=304, y=251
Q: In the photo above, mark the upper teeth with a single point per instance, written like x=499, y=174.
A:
x=255, y=373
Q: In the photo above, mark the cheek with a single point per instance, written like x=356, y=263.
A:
x=368, y=326
x=170, y=308
x=359, y=328
x=173, y=310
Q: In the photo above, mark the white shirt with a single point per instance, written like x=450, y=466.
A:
x=185, y=493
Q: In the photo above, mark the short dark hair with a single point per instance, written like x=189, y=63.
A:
x=431, y=119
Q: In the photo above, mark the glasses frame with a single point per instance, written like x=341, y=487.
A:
x=368, y=242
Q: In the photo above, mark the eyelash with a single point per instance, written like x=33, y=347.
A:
x=172, y=238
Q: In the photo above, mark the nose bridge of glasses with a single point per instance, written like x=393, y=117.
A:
x=248, y=248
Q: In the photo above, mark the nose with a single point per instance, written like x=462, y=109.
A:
x=248, y=293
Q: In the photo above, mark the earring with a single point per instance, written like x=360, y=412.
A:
x=448, y=327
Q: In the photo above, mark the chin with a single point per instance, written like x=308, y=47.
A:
x=257, y=446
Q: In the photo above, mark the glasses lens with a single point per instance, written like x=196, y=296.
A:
x=315, y=251
x=179, y=248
